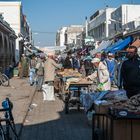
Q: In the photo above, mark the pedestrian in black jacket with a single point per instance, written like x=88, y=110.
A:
x=130, y=72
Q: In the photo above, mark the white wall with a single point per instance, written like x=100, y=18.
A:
x=62, y=36
x=11, y=14
x=130, y=12
x=102, y=19
x=122, y=16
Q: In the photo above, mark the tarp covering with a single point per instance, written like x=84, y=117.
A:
x=120, y=45
x=102, y=45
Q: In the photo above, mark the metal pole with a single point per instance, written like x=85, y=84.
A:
x=86, y=27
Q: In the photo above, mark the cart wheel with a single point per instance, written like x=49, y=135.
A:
x=66, y=108
x=98, y=134
x=78, y=107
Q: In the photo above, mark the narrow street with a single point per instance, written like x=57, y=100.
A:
x=47, y=121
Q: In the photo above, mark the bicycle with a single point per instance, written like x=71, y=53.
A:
x=8, y=129
x=4, y=80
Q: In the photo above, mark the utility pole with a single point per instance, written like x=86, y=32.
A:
x=86, y=26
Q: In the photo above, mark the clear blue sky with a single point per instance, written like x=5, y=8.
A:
x=50, y=15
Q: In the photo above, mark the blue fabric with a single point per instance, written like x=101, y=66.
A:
x=112, y=46
x=73, y=88
x=120, y=45
x=32, y=75
x=111, y=68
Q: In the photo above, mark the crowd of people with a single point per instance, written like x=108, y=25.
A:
x=108, y=70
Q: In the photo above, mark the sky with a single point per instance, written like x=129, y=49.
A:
x=45, y=17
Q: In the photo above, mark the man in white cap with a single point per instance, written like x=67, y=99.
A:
x=101, y=74
x=49, y=74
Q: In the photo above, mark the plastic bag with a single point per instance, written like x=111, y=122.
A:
x=100, y=87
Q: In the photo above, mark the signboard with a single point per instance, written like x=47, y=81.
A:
x=89, y=40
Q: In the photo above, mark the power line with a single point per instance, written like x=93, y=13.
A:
x=43, y=32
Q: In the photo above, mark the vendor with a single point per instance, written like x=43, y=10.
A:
x=101, y=74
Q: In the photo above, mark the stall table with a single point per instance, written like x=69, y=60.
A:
x=106, y=126
x=77, y=86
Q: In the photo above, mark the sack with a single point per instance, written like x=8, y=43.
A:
x=48, y=92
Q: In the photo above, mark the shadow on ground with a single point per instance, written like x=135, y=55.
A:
x=72, y=126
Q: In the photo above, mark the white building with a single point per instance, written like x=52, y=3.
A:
x=99, y=24
x=71, y=34
x=122, y=16
x=68, y=35
x=60, y=37
x=12, y=13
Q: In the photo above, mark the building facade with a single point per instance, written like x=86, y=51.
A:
x=99, y=24
x=13, y=14
x=7, y=44
x=123, y=17
x=71, y=34
x=60, y=37
x=68, y=35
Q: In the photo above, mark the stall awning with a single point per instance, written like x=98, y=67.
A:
x=112, y=46
x=120, y=45
x=102, y=45
x=136, y=43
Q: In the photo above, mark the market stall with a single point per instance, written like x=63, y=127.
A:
x=70, y=86
x=117, y=119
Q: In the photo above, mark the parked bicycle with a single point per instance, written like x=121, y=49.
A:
x=7, y=125
x=4, y=80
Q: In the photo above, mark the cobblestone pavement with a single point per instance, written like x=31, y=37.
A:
x=47, y=121
x=21, y=94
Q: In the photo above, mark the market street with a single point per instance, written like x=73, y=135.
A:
x=47, y=121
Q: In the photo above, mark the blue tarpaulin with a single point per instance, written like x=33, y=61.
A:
x=113, y=45
x=120, y=45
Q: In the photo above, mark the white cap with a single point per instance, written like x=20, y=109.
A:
x=110, y=54
x=94, y=60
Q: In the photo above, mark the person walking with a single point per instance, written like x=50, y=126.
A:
x=49, y=75
x=112, y=67
x=32, y=66
x=130, y=73
x=40, y=72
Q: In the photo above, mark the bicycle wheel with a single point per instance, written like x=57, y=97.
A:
x=4, y=80
x=2, y=135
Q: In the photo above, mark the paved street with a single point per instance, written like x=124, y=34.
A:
x=47, y=121
x=43, y=120
x=20, y=93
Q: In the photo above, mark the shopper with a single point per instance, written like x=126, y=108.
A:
x=130, y=72
x=32, y=66
x=49, y=75
x=112, y=67
x=101, y=74
x=40, y=72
